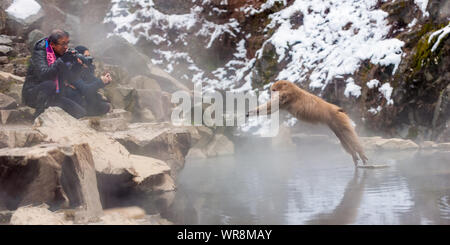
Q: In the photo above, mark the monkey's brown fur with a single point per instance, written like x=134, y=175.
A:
x=310, y=108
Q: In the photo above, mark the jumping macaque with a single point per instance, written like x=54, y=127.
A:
x=310, y=108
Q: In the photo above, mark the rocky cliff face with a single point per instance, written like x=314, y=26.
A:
x=385, y=62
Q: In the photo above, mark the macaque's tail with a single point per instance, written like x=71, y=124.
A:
x=343, y=129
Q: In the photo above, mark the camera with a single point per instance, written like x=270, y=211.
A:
x=72, y=55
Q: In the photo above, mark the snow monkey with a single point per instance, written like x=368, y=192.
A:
x=310, y=108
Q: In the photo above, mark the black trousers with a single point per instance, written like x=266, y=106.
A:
x=86, y=95
x=43, y=95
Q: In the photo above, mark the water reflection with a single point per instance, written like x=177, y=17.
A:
x=312, y=185
x=347, y=209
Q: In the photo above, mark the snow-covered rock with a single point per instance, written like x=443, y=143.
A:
x=23, y=9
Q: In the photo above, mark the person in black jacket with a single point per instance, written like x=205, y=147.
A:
x=46, y=74
x=83, y=85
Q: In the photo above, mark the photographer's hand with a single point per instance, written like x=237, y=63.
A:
x=106, y=79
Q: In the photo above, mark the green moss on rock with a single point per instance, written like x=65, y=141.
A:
x=423, y=54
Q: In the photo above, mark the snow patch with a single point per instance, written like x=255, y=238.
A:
x=423, y=6
x=352, y=88
x=413, y=23
x=333, y=40
x=23, y=9
x=375, y=110
x=373, y=83
x=386, y=90
x=442, y=33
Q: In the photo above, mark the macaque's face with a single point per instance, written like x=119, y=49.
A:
x=61, y=46
x=280, y=85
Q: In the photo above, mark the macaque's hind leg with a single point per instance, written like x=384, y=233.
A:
x=348, y=149
x=355, y=159
x=363, y=158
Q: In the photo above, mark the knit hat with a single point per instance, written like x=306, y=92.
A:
x=81, y=49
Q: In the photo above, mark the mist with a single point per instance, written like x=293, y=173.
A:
x=387, y=70
x=313, y=183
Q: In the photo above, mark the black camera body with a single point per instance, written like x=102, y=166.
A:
x=72, y=55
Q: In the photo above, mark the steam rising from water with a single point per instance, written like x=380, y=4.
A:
x=314, y=184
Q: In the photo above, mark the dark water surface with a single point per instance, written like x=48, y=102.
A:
x=313, y=184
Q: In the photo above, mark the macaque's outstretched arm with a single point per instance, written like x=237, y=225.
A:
x=268, y=108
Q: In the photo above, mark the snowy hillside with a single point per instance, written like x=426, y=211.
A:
x=333, y=39
x=356, y=46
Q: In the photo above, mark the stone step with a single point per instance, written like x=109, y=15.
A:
x=7, y=102
x=19, y=136
x=21, y=115
x=158, y=140
x=59, y=175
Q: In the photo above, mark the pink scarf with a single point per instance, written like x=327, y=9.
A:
x=51, y=58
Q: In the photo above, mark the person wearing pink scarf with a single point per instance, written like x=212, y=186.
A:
x=42, y=87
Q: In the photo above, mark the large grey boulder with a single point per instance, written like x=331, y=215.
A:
x=59, y=175
x=113, y=161
x=20, y=26
x=159, y=140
